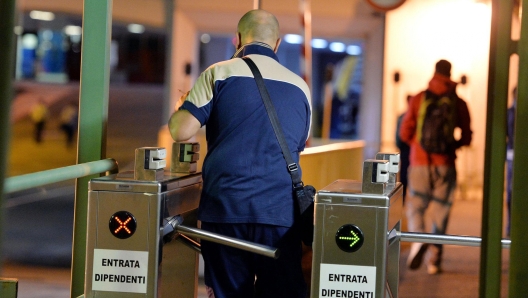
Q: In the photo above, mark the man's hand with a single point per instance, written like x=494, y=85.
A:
x=180, y=101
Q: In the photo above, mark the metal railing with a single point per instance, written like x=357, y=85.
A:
x=446, y=239
x=28, y=181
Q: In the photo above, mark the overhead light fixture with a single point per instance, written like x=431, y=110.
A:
x=72, y=30
x=29, y=41
x=205, y=38
x=136, y=28
x=18, y=30
x=47, y=35
x=338, y=47
x=293, y=38
x=42, y=15
x=353, y=50
x=319, y=43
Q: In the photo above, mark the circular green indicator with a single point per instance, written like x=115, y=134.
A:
x=349, y=238
x=122, y=224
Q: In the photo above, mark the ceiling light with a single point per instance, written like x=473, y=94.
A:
x=354, y=50
x=29, y=41
x=42, y=15
x=18, y=30
x=293, y=38
x=337, y=47
x=205, y=38
x=319, y=43
x=136, y=28
x=72, y=30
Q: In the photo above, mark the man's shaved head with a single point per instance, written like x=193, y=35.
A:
x=258, y=25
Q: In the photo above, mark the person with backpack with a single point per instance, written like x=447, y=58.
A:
x=428, y=127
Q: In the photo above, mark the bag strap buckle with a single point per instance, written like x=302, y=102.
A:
x=292, y=167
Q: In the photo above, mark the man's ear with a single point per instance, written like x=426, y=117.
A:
x=238, y=40
x=277, y=45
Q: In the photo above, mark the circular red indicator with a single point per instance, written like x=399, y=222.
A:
x=122, y=224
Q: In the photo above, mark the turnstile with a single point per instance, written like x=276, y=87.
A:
x=356, y=228
x=133, y=218
x=126, y=255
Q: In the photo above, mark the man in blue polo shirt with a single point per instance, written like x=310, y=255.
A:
x=247, y=191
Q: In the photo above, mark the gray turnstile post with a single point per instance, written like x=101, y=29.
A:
x=355, y=248
x=126, y=214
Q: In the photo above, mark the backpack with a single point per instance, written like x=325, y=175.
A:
x=436, y=123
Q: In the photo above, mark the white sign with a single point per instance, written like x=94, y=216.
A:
x=345, y=281
x=120, y=271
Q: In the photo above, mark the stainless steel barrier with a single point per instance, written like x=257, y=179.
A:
x=357, y=235
x=446, y=239
x=264, y=250
x=126, y=255
x=133, y=218
x=352, y=255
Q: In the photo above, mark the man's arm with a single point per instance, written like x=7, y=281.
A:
x=183, y=125
x=464, y=124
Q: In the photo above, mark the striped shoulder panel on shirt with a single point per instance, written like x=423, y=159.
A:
x=270, y=69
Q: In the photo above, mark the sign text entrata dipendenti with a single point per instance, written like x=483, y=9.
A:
x=120, y=271
x=345, y=281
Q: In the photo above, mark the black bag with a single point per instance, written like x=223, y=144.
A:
x=303, y=194
x=305, y=199
x=436, y=123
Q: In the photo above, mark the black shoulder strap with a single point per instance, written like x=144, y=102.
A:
x=293, y=169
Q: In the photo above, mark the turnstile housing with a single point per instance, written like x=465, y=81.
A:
x=131, y=267
x=352, y=243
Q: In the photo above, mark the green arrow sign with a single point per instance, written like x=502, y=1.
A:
x=349, y=238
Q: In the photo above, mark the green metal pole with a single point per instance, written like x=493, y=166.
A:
x=167, y=85
x=518, y=260
x=7, y=42
x=8, y=288
x=93, y=115
x=495, y=153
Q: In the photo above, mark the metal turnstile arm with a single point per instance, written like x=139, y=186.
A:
x=229, y=241
x=446, y=239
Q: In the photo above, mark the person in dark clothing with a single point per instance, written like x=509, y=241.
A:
x=405, y=150
x=247, y=190
x=68, y=123
x=509, y=155
x=39, y=116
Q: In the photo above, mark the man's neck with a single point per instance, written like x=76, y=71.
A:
x=259, y=43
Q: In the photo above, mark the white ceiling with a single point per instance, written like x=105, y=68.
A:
x=330, y=18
